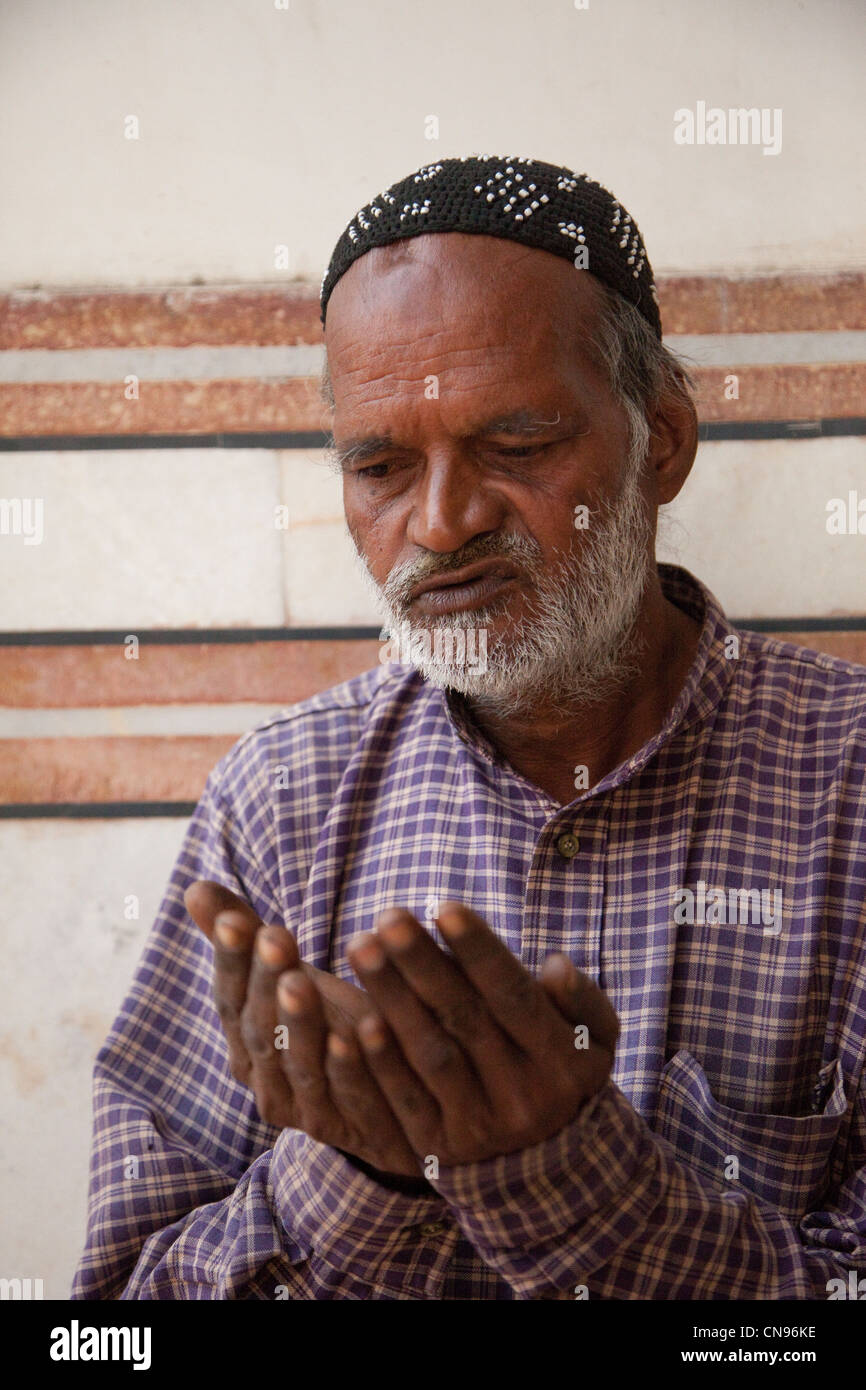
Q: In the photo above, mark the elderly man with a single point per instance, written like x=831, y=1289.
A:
x=595, y=860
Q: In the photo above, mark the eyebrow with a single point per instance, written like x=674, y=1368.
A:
x=359, y=450
x=521, y=423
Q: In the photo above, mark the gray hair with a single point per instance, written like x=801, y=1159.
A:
x=641, y=371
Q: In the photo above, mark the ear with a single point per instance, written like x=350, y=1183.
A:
x=673, y=443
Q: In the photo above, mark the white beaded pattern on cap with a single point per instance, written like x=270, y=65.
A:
x=500, y=187
x=497, y=189
x=509, y=187
x=620, y=229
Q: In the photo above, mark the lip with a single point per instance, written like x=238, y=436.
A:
x=468, y=588
x=463, y=577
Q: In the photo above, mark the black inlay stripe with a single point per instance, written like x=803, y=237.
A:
x=179, y=637
x=182, y=637
x=94, y=810
x=857, y=624
x=314, y=439
x=268, y=439
x=782, y=429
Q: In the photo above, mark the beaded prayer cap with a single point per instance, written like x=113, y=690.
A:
x=523, y=200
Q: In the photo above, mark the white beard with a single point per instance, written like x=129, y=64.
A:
x=577, y=643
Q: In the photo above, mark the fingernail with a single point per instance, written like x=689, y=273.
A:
x=291, y=1000
x=452, y=920
x=338, y=1047
x=372, y=1033
x=369, y=955
x=399, y=933
x=229, y=936
x=269, y=950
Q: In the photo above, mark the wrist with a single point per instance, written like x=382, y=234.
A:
x=394, y=1182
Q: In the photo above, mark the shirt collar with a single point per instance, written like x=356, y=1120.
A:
x=706, y=683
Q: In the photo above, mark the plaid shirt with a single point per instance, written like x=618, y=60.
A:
x=726, y=1157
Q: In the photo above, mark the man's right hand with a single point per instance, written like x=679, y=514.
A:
x=235, y=968
x=249, y=960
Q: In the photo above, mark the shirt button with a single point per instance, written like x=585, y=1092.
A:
x=568, y=845
x=432, y=1228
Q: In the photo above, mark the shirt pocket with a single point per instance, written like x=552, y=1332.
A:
x=782, y=1158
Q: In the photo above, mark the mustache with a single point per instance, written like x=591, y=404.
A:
x=398, y=587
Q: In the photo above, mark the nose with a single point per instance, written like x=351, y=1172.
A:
x=452, y=503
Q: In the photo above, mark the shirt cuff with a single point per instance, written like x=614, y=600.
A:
x=547, y=1217
x=361, y=1239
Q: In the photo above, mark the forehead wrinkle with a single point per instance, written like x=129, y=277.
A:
x=463, y=409
x=502, y=355
x=368, y=385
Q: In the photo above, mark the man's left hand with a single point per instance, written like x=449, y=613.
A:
x=473, y=1056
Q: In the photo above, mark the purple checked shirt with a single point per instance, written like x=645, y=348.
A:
x=726, y=1157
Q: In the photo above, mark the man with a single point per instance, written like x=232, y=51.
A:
x=609, y=1036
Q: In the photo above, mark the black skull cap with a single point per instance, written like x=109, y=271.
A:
x=524, y=200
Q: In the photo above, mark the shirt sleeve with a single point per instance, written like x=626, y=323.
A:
x=302, y=1223
x=191, y=1195
x=606, y=1209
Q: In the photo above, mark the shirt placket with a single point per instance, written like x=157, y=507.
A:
x=565, y=888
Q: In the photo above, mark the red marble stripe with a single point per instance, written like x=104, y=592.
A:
x=763, y=303
x=50, y=770
x=789, y=392
x=281, y=673
x=272, y=315
x=164, y=407
x=185, y=316
x=786, y=392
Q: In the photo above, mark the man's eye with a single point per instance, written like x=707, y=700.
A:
x=525, y=451
x=374, y=471
x=370, y=471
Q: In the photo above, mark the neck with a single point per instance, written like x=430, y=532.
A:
x=546, y=746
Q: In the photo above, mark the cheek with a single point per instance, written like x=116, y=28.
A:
x=378, y=533
x=549, y=518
